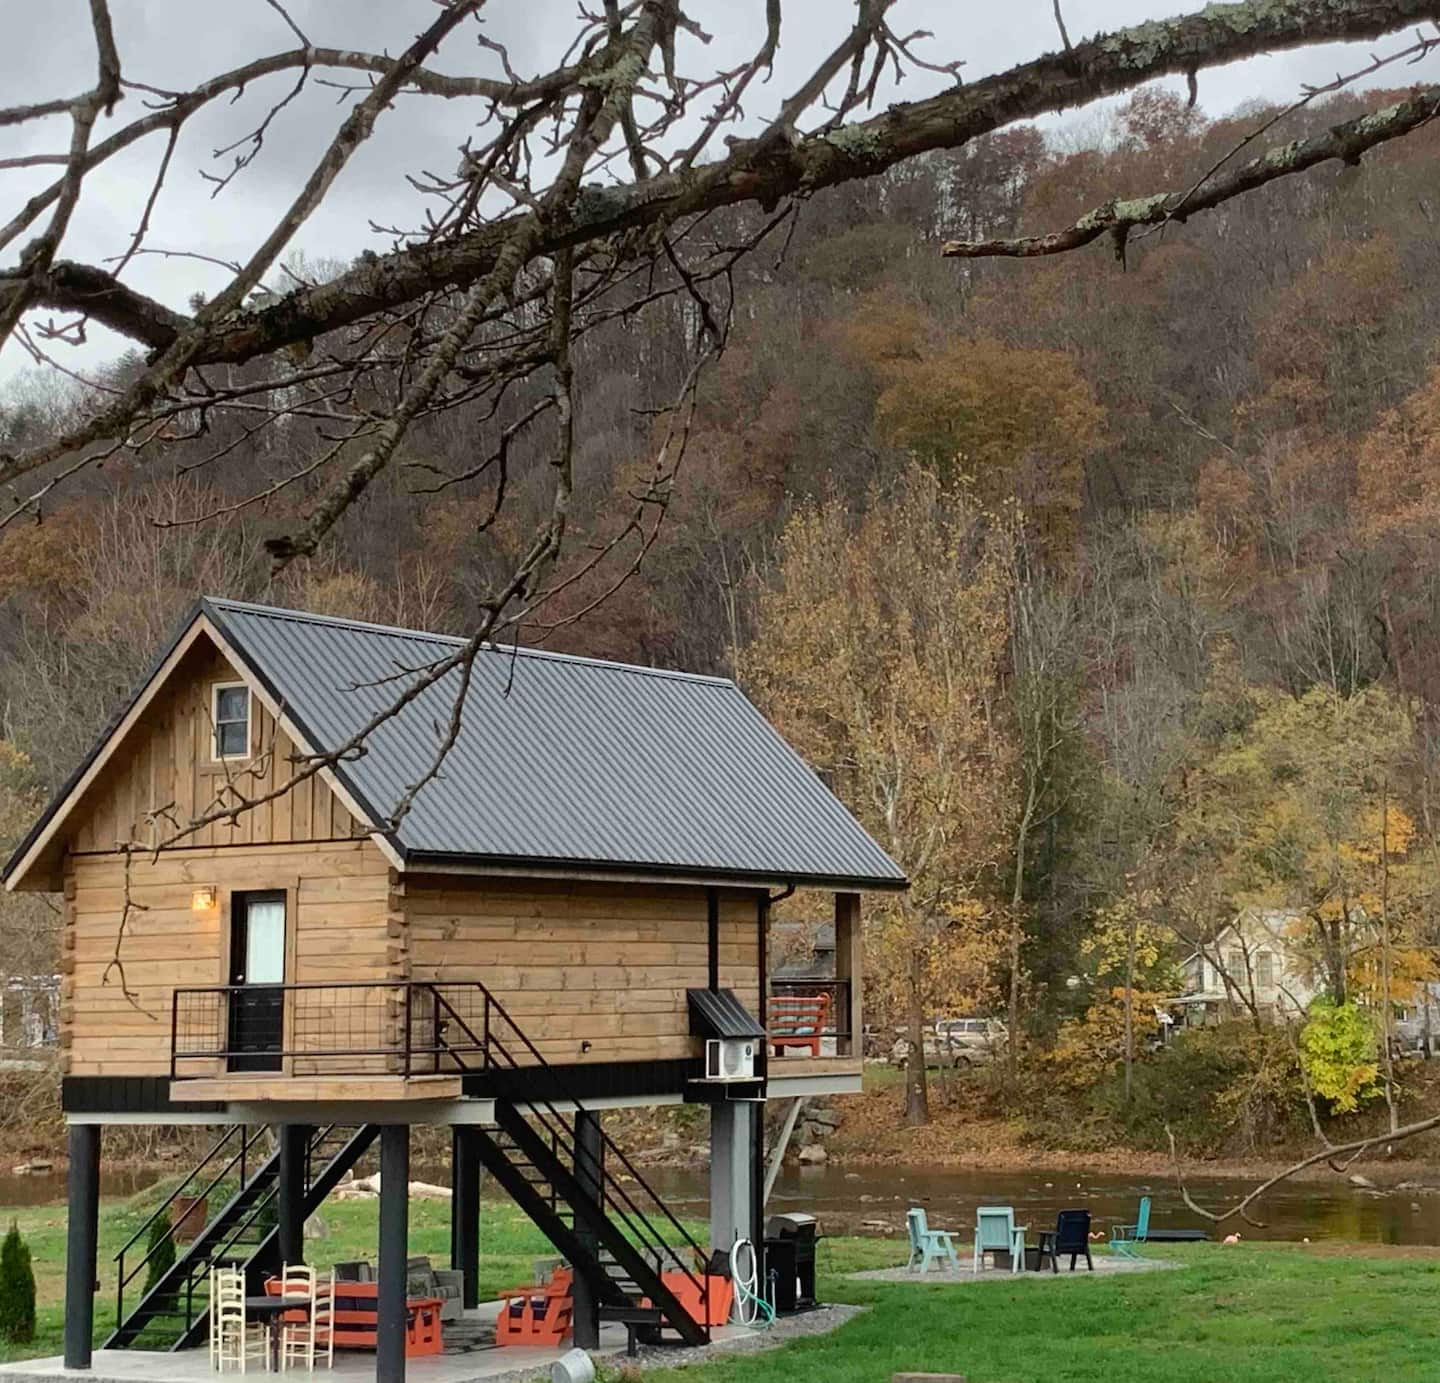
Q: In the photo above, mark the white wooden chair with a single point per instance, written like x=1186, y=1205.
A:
x=234, y=1340
x=303, y=1341
x=322, y=1318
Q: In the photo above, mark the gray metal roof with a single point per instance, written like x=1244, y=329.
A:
x=568, y=761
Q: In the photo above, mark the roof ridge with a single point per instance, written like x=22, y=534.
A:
x=505, y=650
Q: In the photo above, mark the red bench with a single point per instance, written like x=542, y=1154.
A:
x=538, y=1314
x=797, y=1020
x=357, y=1319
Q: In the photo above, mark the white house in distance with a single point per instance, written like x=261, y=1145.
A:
x=1257, y=960
x=1261, y=961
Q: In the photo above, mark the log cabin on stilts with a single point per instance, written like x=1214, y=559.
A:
x=571, y=917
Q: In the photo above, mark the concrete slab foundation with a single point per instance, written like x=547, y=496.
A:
x=485, y=1365
x=1105, y=1266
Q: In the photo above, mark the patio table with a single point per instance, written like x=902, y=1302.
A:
x=270, y=1312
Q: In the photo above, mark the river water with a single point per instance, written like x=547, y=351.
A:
x=46, y=1187
x=873, y=1200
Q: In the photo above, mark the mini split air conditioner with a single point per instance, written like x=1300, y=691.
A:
x=730, y=1058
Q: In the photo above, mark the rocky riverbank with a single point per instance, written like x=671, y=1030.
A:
x=868, y=1130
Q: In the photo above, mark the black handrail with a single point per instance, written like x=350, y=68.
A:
x=122, y=1278
x=626, y=1208
x=180, y=1188
x=228, y=1237
x=609, y=1145
x=480, y=1044
x=262, y=1202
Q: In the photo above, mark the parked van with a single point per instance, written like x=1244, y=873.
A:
x=970, y=1041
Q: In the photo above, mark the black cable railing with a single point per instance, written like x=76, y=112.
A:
x=358, y=1027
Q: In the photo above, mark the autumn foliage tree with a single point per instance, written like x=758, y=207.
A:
x=1129, y=955
x=1300, y=813
x=1013, y=425
x=27, y=926
x=878, y=651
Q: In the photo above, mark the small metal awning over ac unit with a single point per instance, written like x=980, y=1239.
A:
x=721, y=1019
x=719, y=1013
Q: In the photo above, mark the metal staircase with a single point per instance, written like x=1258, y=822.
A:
x=243, y=1233
x=615, y=1246
x=613, y=1228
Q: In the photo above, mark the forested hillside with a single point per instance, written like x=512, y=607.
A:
x=1105, y=589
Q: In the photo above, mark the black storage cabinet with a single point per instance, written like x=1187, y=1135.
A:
x=790, y=1261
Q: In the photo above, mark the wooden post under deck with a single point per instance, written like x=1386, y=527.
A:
x=394, y=1252
x=465, y=1213
x=81, y=1239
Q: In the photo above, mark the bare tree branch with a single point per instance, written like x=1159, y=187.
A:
x=1346, y=141
x=1328, y=1154
x=766, y=171
x=17, y=290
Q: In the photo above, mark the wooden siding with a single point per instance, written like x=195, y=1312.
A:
x=166, y=765
x=582, y=962
x=337, y=897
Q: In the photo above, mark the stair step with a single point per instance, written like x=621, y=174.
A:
x=634, y=1315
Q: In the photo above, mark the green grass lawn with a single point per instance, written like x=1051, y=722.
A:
x=1239, y=1314
x=1246, y=1314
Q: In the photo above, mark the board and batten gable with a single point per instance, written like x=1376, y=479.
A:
x=115, y=1019
x=166, y=763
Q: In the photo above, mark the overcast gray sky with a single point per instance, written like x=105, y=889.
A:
x=176, y=43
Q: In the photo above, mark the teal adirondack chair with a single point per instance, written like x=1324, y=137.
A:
x=997, y=1232
x=928, y=1245
x=1126, y=1239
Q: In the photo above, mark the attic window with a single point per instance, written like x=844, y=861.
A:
x=230, y=715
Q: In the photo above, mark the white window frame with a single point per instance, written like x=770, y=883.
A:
x=215, y=689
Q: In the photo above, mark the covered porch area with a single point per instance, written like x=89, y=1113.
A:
x=591, y=1205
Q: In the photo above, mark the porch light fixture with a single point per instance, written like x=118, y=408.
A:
x=203, y=899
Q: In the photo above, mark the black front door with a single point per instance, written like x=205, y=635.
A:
x=257, y=969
